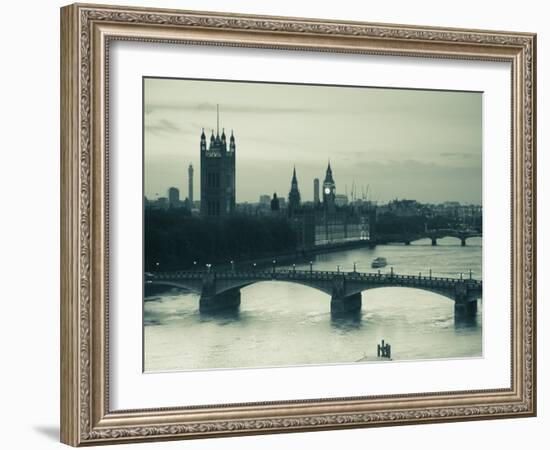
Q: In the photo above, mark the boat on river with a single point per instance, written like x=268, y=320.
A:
x=379, y=262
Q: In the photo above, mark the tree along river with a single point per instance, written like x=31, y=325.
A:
x=284, y=324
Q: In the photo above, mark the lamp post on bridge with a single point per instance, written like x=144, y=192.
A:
x=355, y=266
x=208, y=267
x=194, y=265
x=391, y=271
x=338, y=268
x=232, y=266
x=470, y=274
x=430, y=274
x=294, y=268
x=311, y=267
x=254, y=267
x=274, y=263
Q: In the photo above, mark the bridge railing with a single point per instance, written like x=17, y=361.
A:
x=318, y=275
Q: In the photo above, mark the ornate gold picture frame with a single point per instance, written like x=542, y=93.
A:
x=87, y=32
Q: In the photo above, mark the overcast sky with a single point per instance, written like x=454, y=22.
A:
x=414, y=144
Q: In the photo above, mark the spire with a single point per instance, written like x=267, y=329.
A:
x=203, y=141
x=294, y=194
x=328, y=175
x=217, y=120
x=294, y=183
x=232, y=146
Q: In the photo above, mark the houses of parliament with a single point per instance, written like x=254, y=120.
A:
x=315, y=223
x=218, y=179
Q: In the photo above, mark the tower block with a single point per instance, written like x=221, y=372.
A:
x=217, y=173
x=329, y=191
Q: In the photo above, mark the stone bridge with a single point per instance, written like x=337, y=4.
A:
x=221, y=289
x=433, y=235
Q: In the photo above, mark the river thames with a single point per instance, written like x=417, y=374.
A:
x=285, y=324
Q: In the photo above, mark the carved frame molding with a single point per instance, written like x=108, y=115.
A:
x=86, y=31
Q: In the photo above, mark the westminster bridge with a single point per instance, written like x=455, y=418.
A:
x=220, y=289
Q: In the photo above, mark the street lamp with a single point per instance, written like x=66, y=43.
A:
x=338, y=268
x=254, y=265
x=274, y=263
x=294, y=268
x=232, y=265
x=354, y=266
x=311, y=266
x=195, y=265
x=208, y=266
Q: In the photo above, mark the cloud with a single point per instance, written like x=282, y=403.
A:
x=208, y=106
x=460, y=155
x=162, y=126
x=414, y=167
x=166, y=126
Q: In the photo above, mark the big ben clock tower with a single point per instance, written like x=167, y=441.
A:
x=329, y=190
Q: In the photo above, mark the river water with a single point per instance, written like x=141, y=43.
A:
x=285, y=324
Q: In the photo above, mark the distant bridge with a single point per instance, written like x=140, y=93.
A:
x=433, y=235
x=221, y=289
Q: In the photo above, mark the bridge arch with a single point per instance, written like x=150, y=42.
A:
x=435, y=240
x=442, y=293
x=177, y=284
x=326, y=288
x=223, y=286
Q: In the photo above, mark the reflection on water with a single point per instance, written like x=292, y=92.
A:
x=465, y=322
x=281, y=324
x=348, y=321
x=222, y=317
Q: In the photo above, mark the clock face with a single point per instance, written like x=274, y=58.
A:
x=327, y=191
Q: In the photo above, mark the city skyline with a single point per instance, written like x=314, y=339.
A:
x=271, y=139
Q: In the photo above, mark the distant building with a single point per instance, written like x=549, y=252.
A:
x=265, y=200
x=190, y=172
x=162, y=203
x=405, y=208
x=173, y=197
x=275, y=203
x=316, y=198
x=340, y=200
x=294, y=194
x=217, y=174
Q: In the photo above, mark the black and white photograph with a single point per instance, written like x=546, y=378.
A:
x=299, y=224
